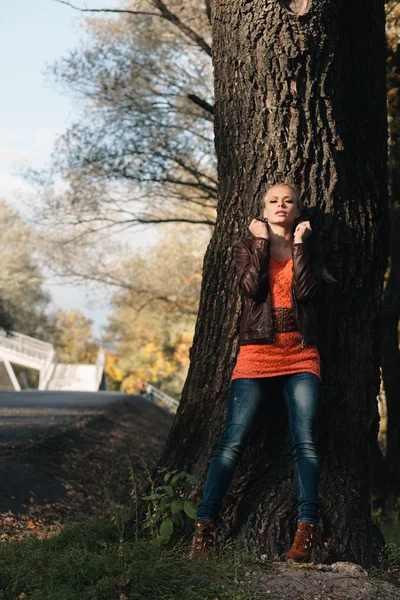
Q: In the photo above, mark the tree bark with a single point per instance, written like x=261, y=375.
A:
x=303, y=98
x=391, y=360
x=391, y=301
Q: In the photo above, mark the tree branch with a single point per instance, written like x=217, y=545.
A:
x=186, y=30
x=208, y=11
x=165, y=14
x=108, y=10
x=76, y=277
x=202, y=103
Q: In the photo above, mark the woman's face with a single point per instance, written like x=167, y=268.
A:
x=281, y=199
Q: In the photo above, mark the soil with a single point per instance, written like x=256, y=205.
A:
x=84, y=468
x=339, y=581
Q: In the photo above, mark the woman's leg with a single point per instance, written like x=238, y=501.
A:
x=301, y=395
x=246, y=397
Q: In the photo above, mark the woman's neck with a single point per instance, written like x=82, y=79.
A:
x=281, y=239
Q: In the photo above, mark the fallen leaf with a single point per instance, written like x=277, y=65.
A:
x=72, y=493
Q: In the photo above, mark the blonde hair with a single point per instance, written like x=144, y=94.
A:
x=326, y=276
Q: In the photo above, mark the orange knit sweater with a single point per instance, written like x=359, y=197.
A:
x=285, y=355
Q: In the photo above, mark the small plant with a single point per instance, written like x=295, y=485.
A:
x=389, y=556
x=169, y=512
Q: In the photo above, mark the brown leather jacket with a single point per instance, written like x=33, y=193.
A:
x=252, y=256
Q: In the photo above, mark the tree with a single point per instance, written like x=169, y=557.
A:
x=143, y=150
x=73, y=338
x=154, y=311
x=298, y=96
x=387, y=468
x=21, y=282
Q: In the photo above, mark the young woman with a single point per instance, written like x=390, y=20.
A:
x=280, y=277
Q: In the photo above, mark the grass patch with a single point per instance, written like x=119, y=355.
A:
x=94, y=559
x=390, y=553
x=89, y=560
x=391, y=531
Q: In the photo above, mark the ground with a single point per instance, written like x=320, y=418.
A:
x=84, y=468
x=79, y=468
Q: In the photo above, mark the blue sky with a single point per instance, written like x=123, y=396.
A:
x=33, y=112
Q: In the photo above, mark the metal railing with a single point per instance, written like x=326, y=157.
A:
x=25, y=345
x=161, y=398
x=38, y=354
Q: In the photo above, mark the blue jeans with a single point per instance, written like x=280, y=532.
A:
x=301, y=393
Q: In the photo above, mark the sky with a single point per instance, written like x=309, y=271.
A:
x=33, y=113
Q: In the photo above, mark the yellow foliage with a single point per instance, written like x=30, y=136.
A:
x=73, y=338
x=113, y=370
x=148, y=363
x=181, y=354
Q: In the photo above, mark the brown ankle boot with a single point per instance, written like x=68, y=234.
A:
x=304, y=542
x=204, y=537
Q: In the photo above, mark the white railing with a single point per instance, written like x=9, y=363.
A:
x=163, y=399
x=33, y=353
x=25, y=345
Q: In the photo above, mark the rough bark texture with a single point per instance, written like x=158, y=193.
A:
x=305, y=98
x=388, y=475
x=391, y=362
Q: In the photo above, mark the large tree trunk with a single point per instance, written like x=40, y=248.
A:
x=303, y=97
x=391, y=301
x=391, y=363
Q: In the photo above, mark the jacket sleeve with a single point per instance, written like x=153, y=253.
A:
x=252, y=266
x=307, y=271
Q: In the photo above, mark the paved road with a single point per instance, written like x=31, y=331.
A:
x=27, y=414
x=46, y=437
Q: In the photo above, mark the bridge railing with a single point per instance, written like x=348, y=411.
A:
x=25, y=345
x=158, y=397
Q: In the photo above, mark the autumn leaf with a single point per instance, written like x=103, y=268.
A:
x=72, y=493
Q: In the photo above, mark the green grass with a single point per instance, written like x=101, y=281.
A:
x=90, y=561
x=390, y=554
x=391, y=531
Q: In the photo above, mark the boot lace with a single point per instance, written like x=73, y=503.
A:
x=305, y=537
x=204, y=537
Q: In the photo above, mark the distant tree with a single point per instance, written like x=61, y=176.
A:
x=73, y=339
x=143, y=150
x=23, y=299
x=151, y=326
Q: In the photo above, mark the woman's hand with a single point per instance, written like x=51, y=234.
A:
x=259, y=228
x=302, y=232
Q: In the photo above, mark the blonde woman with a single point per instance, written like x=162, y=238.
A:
x=280, y=278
